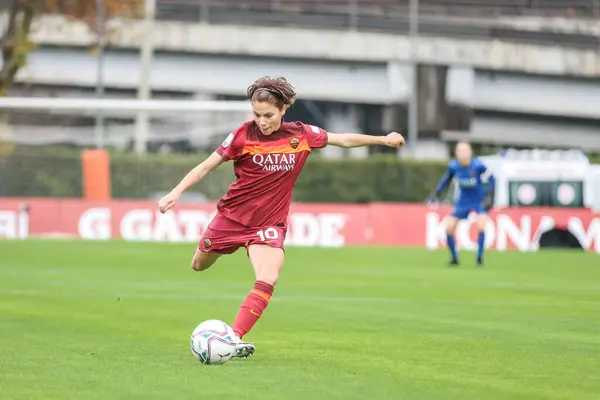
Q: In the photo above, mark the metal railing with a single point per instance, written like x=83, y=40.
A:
x=473, y=19
x=353, y=10
x=480, y=19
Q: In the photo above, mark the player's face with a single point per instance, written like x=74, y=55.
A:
x=464, y=153
x=267, y=116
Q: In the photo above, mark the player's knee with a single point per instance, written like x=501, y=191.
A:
x=203, y=261
x=267, y=262
x=269, y=277
x=481, y=223
x=198, y=265
x=450, y=227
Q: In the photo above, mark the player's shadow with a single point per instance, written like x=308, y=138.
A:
x=559, y=238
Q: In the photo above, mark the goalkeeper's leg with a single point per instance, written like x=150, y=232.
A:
x=482, y=220
x=451, y=222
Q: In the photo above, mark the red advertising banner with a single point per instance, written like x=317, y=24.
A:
x=327, y=225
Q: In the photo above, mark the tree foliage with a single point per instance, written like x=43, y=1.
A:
x=86, y=9
x=16, y=44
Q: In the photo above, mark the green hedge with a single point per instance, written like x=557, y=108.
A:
x=40, y=171
x=366, y=180
x=594, y=158
x=56, y=172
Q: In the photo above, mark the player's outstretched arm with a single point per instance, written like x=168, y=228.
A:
x=445, y=181
x=443, y=184
x=193, y=177
x=348, y=140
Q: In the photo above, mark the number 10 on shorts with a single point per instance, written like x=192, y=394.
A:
x=268, y=234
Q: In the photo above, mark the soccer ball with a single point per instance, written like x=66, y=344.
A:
x=213, y=342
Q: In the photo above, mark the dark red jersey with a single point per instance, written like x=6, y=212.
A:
x=266, y=169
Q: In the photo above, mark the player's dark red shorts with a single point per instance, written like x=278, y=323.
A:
x=224, y=236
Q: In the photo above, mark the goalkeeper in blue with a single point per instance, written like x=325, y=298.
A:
x=476, y=194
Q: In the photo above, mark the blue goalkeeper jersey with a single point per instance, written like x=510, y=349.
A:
x=474, y=182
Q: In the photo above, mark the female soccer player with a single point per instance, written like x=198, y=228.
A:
x=268, y=155
x=473, y=197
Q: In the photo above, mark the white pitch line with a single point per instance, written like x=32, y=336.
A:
x=304, y=299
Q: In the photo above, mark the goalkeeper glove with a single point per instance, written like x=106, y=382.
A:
x=432, y=198
x=488, y=201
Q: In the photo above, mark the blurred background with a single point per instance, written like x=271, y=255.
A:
x=106, y=104
x=503, y=74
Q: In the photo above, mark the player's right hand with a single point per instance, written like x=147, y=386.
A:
x=431, y=199
x=394, y=139
x=488, y=202
x=168, y=202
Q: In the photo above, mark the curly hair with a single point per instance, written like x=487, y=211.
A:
x=272, y=90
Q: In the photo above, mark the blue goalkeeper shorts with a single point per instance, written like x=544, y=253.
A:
x=464, y=211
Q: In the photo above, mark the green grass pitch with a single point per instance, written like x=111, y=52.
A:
x=112, y=320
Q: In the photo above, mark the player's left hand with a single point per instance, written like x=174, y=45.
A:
x=168, y=202
x=394, y=139
x=431, y=199
x=488, y=201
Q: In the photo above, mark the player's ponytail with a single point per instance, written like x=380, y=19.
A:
x=272, y=90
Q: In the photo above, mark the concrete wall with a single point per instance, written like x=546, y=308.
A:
x=327, y=44
x=529, y=131
x=348, y=67
x=229, y=75
x=528, y=94
x=348, y=82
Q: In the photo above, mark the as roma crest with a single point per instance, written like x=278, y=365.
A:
x=207, y=242
x=294, y=142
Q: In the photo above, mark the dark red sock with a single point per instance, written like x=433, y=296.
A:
x=252, y=308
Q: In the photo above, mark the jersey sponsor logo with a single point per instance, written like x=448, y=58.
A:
x=294, y=142
x=227, y=141
x=315, y=129
x=275, y=162
x=468, y=182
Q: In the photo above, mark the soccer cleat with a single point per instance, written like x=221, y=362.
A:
x=479, y=262
x=243, y=349
x=453, y=263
